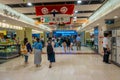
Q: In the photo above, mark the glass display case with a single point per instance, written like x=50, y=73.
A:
x=9, y=51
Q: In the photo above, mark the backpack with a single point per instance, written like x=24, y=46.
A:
x=49, y=49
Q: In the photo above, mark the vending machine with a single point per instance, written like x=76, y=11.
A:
x=115, y=46
x=118, y=46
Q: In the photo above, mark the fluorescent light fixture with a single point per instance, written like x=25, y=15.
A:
x=76, y=11
x=0, y=24
x=79, y=1
x=75, y=17
x=29, y=4
x=115, y=17
x=4, y=20
x=37, y=31
x=98, y=24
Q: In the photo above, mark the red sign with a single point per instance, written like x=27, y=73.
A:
x=62, y=9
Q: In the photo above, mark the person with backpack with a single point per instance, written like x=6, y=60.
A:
x=37, y=52
x=50, y=52
x=27, y=49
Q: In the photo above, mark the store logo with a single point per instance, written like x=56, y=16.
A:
x=44, y=10
x=64, y=10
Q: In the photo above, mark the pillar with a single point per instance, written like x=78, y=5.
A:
x=28, y=34
x=20, y=35
x=100, y=40
x=42, y=35
x=45, y=36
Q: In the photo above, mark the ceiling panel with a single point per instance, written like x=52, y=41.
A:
x=87, y=7
x=25, y=10
x=33, y=1
x=83, y=14
x=78, y=7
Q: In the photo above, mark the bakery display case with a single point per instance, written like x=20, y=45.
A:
x=9, y=51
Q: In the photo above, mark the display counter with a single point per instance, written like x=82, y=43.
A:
x=9, y=51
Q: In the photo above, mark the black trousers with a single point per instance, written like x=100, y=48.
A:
x=106, y=55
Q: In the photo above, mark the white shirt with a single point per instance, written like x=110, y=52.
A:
x=105, y=42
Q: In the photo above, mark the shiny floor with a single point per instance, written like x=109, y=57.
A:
x=67, y=67
x=61, y=50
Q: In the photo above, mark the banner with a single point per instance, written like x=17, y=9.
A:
x=52, y=9
x=56, y=20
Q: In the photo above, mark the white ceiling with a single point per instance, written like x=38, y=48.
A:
x=101, y=21
x=78, y=7
x=87, y=7
x=33, y=1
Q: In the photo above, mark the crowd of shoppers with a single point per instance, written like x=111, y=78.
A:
x=36, y=48
x=66, y=42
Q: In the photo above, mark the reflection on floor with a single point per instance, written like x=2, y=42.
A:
x=67, y=67
x=83, y=50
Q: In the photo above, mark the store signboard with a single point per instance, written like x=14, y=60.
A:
x=54, y=20
x=59, y=33
x=9, y=12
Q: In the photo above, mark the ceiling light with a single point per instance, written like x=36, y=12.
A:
x=79, y=1
x=4, y=20
x=75, y=17
x=76, y=11
x=29, y=4
x=98, y=24
x=115, y=17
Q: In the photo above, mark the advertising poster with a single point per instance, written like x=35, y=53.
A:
x=96, y=33
x=82, y=35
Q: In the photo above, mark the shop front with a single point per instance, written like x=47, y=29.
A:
x=9, y=44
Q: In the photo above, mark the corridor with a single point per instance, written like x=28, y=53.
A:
x=67, y=67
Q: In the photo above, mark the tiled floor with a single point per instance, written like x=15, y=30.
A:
x=67, y=67
x=83, y=50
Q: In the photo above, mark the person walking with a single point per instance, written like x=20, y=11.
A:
x=28, y=48
x=37, y=46
x=64, y=44
x=50, y=52
x=106, y=48
x=71, y=43
x=78, y=42
x=68, y=44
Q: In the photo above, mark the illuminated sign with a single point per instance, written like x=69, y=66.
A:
x=66, y=31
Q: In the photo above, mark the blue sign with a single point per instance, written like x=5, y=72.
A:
x=36, y=35
x=59, y=33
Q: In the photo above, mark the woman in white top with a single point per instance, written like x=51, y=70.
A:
x=106, y=48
